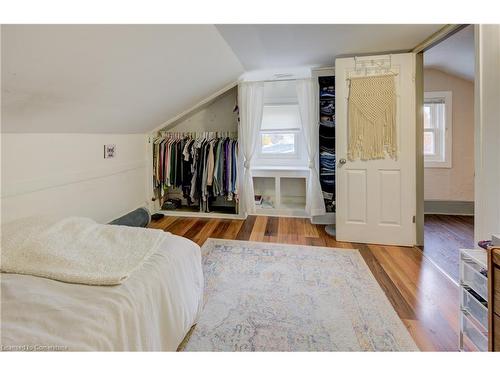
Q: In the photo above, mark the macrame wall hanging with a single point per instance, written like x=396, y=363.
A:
x=372, y=118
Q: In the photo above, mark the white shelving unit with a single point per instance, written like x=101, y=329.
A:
x=473, y=299
x=284, y=187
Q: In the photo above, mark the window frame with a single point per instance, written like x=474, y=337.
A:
x=295, y=131
x=443, y=137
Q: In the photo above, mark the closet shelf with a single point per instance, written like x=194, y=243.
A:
x=214, y=215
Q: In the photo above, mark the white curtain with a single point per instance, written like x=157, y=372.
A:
x=250, y=103
x=307, y=94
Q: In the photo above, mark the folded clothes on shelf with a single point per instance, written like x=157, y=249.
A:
x=328, y=121
x=326, y=131
x=327, y=156
x=328, y=189
x=325, y=171
x=326, y=148
x=327, y=138
x=327, y=92
x=327, y=195
x=330, y=205
x=327, y=162
x=327, y=181
x=328, y=109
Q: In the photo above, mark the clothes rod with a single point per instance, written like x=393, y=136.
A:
x=277, y=80
x=200, y=134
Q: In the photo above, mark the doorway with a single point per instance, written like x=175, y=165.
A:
x=448, y=148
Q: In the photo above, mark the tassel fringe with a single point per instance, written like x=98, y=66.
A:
x=372, y=118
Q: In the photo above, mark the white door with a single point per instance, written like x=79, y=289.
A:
x=376, y=199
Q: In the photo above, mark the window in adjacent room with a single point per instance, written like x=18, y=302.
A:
x=437, y=129
x=280, y=127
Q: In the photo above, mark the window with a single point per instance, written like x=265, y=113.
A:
x=437, y=129
x=278, y=133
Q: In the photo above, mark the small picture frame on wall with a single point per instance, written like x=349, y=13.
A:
x=109, y=151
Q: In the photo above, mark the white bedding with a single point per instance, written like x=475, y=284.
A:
x=76, y=249
x=151, y=311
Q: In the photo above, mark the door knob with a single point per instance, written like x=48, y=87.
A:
x=342, y=161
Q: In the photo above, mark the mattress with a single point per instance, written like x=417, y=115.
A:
x=151, y=311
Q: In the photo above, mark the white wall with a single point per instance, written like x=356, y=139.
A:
x=487, y=205
x=217, y=116
x=108, y=78
x=455, y=183
x=66, y=174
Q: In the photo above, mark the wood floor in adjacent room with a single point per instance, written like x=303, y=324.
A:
x=425, y=299
x=444, y=236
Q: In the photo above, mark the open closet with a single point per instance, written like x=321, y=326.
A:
x=197, y=171
x=195, y=161
x=327, y=140
x=327, y=155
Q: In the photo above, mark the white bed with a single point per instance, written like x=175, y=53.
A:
x=151, y=311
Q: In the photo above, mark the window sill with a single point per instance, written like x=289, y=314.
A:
x=437, y=164
x=279, y=168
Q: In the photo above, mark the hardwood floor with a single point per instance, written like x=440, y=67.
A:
x=444, y=236
x=425, y=299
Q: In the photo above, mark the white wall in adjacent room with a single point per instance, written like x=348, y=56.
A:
x=455, y=183
x=487, y=204
x=66, y=174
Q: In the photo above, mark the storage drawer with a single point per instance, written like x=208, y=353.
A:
x=473, y=279
x=473, y=333
x=474, y=308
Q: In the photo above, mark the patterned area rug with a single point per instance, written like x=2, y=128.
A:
x=276, y=297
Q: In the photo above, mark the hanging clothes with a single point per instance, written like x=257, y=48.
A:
x=202, y=168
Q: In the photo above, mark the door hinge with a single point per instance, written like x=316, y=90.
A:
x=414, y=219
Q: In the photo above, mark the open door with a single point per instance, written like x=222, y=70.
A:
x=376, y=198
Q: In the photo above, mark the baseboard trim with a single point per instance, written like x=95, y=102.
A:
x=449, y=207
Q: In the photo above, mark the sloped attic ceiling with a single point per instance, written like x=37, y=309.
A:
x=455, y=55
x=108, y=78
x=281, y=46
x=133, y=78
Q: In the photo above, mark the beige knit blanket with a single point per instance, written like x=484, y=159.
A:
x=76, y=250
x=372, y=118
